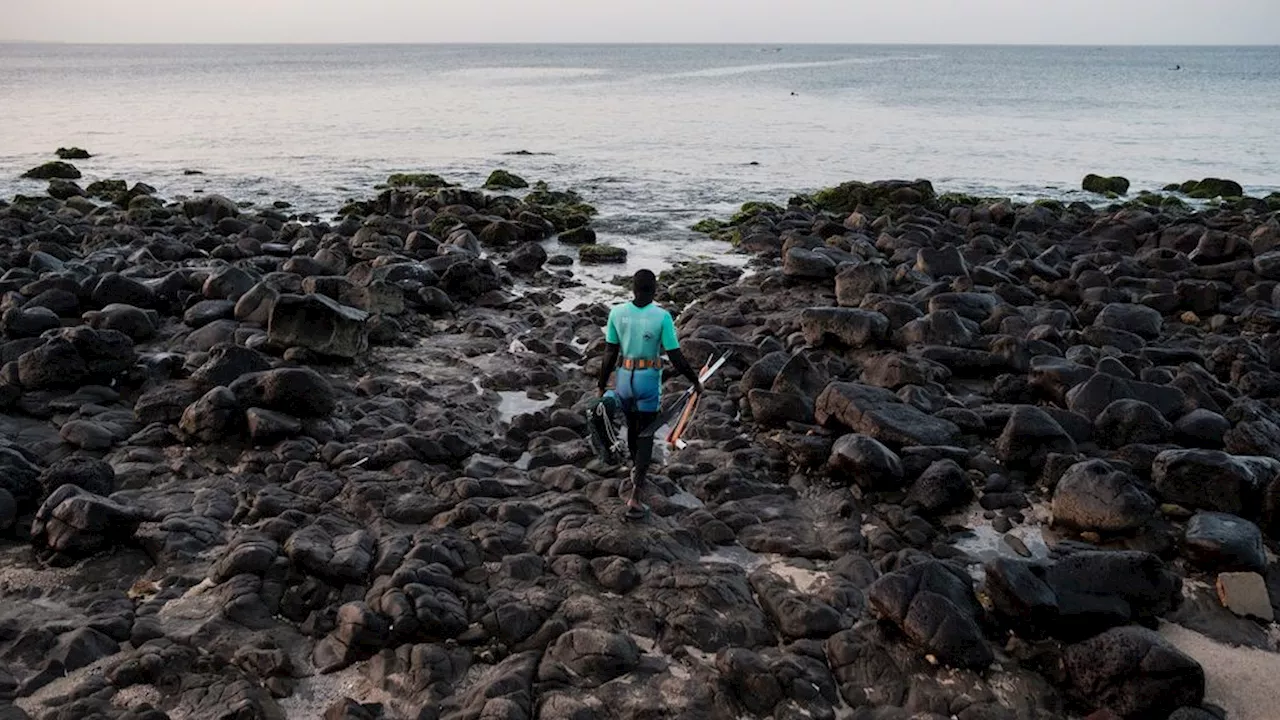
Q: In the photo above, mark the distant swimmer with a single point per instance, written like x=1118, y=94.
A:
x=1177, y=67
x=795, y=94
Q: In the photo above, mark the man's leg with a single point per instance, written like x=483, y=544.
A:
x=642, y=456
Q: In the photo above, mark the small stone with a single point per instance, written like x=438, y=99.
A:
x=1017, y=545
x=1175, y=512
x=1245, y=594
x=1189, y=318
x=1091, y=537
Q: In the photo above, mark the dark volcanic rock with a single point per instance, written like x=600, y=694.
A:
x=864, y=461
x=319, y=324
x=1029, y=436
x=845, y=326
x=1213, y=480
x=1131, y=422
x=74, y=521
x=301, y=392
x=934, y=605
x=1135, y=673
x=942, y=487
x=1223, y=542
x=91, y=474
x=879, y=414
x=1094, y=496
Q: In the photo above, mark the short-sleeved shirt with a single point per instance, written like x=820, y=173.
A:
x=642, y=332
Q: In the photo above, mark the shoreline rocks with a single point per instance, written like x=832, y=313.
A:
x=965, y=455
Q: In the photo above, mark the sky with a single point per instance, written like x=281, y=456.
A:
x=1085, y=22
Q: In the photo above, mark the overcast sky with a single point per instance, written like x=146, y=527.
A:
x=778, y=21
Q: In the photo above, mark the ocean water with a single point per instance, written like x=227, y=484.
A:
x=655, y=136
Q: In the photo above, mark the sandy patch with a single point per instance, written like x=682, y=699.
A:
x=1243, y=681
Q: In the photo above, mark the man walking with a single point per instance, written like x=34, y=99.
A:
x=637, y=334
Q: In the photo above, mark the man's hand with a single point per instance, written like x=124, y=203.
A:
x=697, y=386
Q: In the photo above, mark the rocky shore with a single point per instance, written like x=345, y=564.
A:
x=970, y=460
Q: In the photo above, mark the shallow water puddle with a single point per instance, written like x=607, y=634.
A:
x=804, y=579
x=518, y=402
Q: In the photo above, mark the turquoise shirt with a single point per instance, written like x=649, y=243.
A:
x=643, y=333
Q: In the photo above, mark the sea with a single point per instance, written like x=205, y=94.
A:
x=656, y=136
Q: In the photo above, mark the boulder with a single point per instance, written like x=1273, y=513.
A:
x=1220, y=541
x=855, y=283
x=301, y=392
x=601, y=254
x=1137, y=319
x=359, y=633
x=318, y=324
x=803, y=264
x=114, y=288
x=56, y=170
x=880, y=414
x=1029, y=436
x=1093, y=396
x=504, y=180
x=227, y=283
x=1098, y=590
x=775, y=410
x=227, y=363
x=75, y=521
x=87, y=473
x=1105, y=185
x=589, y=657
x=134, y=322
x=1213, y=480
x=1095, y=497
x=844, y=326
x=942, y=262
x=1131, y=422
x=934, y=605
x=211, y=418
x=528, y=257
x=942, y=487
x=1135, y=673
x=863, y=461
x=54, y=364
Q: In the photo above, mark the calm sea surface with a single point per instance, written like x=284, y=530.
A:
x=656, y=136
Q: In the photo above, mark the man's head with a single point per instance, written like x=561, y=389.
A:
x=645, y=286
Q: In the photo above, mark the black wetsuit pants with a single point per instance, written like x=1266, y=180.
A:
x=640, y=446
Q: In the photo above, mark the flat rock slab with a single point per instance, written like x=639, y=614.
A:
x=1245, y=594
x=879, y=414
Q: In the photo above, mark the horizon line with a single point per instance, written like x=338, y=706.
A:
x=769, y=43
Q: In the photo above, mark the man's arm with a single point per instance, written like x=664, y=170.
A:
x=611, y=351
x=672, y=345
x=684, y=368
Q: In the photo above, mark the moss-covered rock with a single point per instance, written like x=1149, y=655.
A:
x=946, y=201
x=73, y=153
x=1210, y=188
x=503, y=180
x=1050, y=204
x=751, y=209
x=708, y=226
x=107, y=189
x=601, y=254
x=1273, y=201
x=564, y=209
x=1104, y=185
x=53, y=170
x=877, y=196
x=426, y=181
